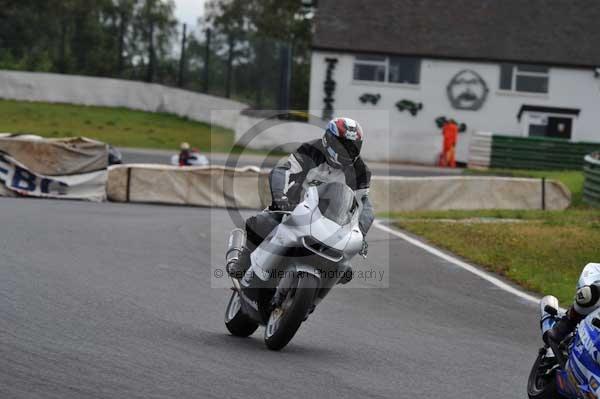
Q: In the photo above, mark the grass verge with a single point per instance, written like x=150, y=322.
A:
x=540, y=256
x=117, y=126
x=543, y=251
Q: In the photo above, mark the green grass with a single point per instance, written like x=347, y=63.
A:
x=543, y=251
x=117, y=126
x=543, y=257
x=557, y=218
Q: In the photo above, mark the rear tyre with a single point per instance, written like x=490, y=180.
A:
x=285, y=320
x=542, y=379
x=236, y=321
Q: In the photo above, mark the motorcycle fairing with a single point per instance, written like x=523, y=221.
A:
x=565, y=384
x=305, y=220
x=582, y=375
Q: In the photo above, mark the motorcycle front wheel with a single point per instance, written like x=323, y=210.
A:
x=285, y=320
x=236, y=321
x=542, y=379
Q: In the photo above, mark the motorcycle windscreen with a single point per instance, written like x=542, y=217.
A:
x=337, y=202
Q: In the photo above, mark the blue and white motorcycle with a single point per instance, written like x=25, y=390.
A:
x=569, y=369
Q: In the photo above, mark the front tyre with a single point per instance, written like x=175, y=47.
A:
x=236, y=321
x=286, y=319
x=542, y=378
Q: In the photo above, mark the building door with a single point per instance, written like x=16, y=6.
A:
x=559, y=127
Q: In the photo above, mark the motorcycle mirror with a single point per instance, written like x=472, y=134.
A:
x=550, y=310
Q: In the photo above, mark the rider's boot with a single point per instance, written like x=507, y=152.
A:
x=238, y=267
x=252, y=284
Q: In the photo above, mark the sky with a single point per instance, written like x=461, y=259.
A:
x=188, y=11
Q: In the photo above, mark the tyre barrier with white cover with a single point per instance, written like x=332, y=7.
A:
x=248, y=188
x=480, y=150
x=591, y=186
x=53, y=168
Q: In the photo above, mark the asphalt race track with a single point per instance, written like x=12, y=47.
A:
x=115, y=301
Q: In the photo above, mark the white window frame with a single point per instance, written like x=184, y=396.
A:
x=516, y=72
x=386, y=64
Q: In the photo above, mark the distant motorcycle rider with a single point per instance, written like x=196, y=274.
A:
x=185, y=155
x=587, y=299
x=333, y=158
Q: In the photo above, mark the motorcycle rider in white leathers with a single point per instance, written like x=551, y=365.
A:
x=334, y=158
x=587, y=299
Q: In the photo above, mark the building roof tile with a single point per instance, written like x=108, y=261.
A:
x=552, y=32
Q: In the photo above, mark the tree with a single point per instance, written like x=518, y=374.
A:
x=156, y=26
x=248, y=29
x=230, y=19
x=136, y=39
x=90, y=37
x=124, y=15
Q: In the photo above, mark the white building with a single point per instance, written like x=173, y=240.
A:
x=513, y=67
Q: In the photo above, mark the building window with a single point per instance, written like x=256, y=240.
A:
x=524, y=78
x=375, y=68
x=544, y=121
x=551, y=126
x=370, y=67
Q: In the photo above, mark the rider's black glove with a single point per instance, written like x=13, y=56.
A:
x=281, y=203
x=561, y=330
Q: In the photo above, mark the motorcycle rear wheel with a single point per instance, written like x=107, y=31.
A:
x=236, y=321
x=286, y=319
x=541, y=383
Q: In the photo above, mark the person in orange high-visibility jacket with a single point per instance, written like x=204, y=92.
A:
x=450, y=133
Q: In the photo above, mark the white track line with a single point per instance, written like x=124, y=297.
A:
x=471, y=269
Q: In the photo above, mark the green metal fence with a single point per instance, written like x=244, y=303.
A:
x=539, y=153
x=591, y=187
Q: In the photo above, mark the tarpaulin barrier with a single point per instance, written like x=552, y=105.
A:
x=54, y=168
x=17, y=179
x=56, y=157
x=397, y=194
x=210, y=186
x=248, y=188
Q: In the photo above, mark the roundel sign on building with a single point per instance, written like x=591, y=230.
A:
x=467, y=90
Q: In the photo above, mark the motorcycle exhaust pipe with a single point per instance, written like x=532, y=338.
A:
x=235, y=246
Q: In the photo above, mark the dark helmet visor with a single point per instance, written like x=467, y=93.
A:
x=347, y=150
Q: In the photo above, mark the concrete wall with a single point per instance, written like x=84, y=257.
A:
x=105, y=92
x=417, y=139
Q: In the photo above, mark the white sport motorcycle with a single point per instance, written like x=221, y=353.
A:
x=299, y=262
x=195, y=159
